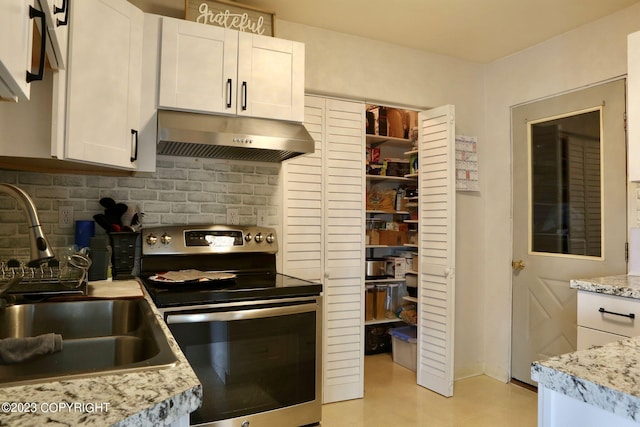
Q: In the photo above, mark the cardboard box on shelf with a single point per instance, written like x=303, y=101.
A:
x=398, y=267
x=392, y=238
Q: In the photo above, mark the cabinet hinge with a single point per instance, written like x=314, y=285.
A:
x=624, y=119
x=626, y=252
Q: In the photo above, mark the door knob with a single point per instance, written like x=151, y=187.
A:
x=518, y=265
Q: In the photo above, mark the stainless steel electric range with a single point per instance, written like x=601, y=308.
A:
x=251, y=334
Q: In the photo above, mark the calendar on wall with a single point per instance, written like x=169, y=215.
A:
x=466, y=163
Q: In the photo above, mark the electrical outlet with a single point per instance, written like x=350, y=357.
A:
x=262, y=218
x=233, y=216
x=65, y=216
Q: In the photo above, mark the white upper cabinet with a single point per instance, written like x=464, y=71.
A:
x=270, y=78
x=103, y=83
x=198, y=67
x=57, y=23
x=215, y=70
x=17, y=18
x=16, y=33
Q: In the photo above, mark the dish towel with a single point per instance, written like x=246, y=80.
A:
x=15, y=350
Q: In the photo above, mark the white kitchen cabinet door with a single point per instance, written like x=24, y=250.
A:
x=270, y=78
x=57, y=19
x=198, y=67
x=436, y=269
x=16, y=33
x=103, y=82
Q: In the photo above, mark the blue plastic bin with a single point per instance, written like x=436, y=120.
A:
x=404, y=346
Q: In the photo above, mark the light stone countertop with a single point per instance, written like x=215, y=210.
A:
x=621, y=285
x=154, y=397
x=607, y=377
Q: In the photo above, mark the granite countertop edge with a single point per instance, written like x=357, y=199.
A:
x=621, y=285
x=154, y=397
x=607, y=377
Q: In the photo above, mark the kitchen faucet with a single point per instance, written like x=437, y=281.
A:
x=39, y=246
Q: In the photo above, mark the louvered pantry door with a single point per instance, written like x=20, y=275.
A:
x=436, y=249
x=344, y=192
x=323, y=229
x=302, y=245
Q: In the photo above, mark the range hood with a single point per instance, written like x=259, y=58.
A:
x=230, y=137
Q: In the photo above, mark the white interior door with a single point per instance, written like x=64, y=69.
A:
x=569, y=213
x=436, y=269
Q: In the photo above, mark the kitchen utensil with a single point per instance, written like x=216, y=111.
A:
x=107, y=202
x=103, y=222
x=114, y=213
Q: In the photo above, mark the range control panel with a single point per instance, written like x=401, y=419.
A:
x=203, y=239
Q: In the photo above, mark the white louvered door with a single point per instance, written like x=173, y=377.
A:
x=344, y=193
x=303, y=243
x=323, y=229
x=436, y=270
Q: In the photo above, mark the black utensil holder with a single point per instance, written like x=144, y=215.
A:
x=123, y=254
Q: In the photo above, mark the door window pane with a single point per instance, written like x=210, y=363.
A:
x=566, y=209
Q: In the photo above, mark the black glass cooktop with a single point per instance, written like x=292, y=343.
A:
x=244, y=287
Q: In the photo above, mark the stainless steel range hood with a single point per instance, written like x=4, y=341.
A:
x=230, y=137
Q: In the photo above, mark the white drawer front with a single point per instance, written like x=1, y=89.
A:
x=588, y=337
x=591, y=304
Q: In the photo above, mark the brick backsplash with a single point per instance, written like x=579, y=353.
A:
x=181, y=191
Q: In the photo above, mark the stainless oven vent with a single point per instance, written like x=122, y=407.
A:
x=230, y=137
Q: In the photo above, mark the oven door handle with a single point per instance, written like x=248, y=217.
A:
x=227, y=316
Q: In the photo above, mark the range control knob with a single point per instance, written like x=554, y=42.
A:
x=270, y=238
x=258, y=238
x=248, y=237
x=151, y=240
x=165, y=239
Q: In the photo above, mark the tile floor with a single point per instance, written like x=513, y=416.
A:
x=391, y=398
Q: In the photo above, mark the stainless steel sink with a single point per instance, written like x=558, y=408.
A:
x=99, y=337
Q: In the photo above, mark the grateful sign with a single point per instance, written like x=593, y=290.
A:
x=230, y=15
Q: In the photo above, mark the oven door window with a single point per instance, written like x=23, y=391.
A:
x=248, y=363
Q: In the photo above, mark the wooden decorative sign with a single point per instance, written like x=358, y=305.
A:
x=230, y=15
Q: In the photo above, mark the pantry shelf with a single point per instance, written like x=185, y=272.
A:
x=388, y=178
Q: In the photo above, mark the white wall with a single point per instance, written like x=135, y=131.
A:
x=364, y=69
x=588, y=55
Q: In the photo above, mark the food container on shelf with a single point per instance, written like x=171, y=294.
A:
x=380, y=299
x=369, y=302
x=392, y=301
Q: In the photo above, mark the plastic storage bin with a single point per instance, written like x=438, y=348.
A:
x=404, y=346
